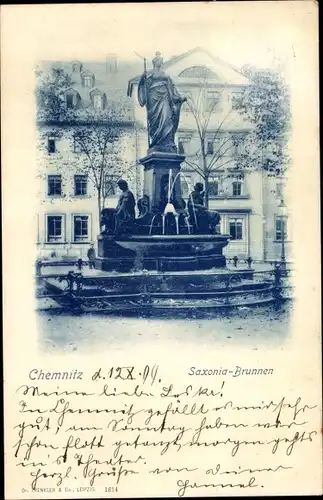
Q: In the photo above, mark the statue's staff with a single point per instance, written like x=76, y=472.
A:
x=146, y=92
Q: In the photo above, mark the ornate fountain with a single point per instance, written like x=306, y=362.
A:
x=167, y=235
x=169, y=258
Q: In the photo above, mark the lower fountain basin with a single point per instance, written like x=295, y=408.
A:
x=173, y=252
x=174, y=244
x=162, y=293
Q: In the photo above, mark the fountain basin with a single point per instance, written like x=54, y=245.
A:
x=195, y=243
x=159, y=292
x=166, y=252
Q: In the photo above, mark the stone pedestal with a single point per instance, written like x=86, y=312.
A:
x=162, y=240
x=157, y=166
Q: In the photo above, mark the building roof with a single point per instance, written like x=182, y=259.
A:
x=113, y=85
x=232, y=72
x=175, y=59
x=114, y=76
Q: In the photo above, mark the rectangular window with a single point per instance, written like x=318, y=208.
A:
x=54, y=185
x=81, y=227
x=186, y=183
x=80, y=185
x=236, y=96
x=236, y=188
x=209, y=147
x=110, y=185
x=280, y=226
x=112, y=67
x=97, y=101
x=55, y=230
x=69, y=101
x=213, y=187
x=280, y=191
x=212, y=100
x=87, y=81
x=186, y=105
x=237, y=144
x=51, y=145
x=235, y=229
x=76, y=145
x=181, y=147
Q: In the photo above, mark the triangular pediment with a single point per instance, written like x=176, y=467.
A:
x=195, y=65
x=86, y=72
x=198, y=64
x=71, y=90
x=95, y=90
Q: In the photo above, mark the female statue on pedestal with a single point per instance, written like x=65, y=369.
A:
x=158, y=93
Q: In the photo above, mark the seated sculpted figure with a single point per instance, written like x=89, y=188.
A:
x=126, y=204
x=203, y=220
x=114, y=219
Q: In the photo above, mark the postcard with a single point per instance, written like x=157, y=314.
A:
x=161, y=242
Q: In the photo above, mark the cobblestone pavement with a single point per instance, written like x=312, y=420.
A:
x=255, y=327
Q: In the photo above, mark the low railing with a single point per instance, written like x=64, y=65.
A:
x=276, y=289
x=237, y=261
x=78, y=263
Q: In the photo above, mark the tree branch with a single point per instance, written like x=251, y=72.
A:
x=195, y=167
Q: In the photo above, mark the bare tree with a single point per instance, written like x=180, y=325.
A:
x=265, y=104
x=101, y=149
x=101, y=138
x=205, y=160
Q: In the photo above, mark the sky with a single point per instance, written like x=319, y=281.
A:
x=257, y=33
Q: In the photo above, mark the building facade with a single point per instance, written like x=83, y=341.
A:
x=68, y=217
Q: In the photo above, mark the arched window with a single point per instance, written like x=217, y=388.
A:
x=98, y=99
x=72, y=98
x=198, y=72
x=69, y=101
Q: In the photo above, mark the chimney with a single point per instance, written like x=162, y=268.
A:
x=111, y=64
